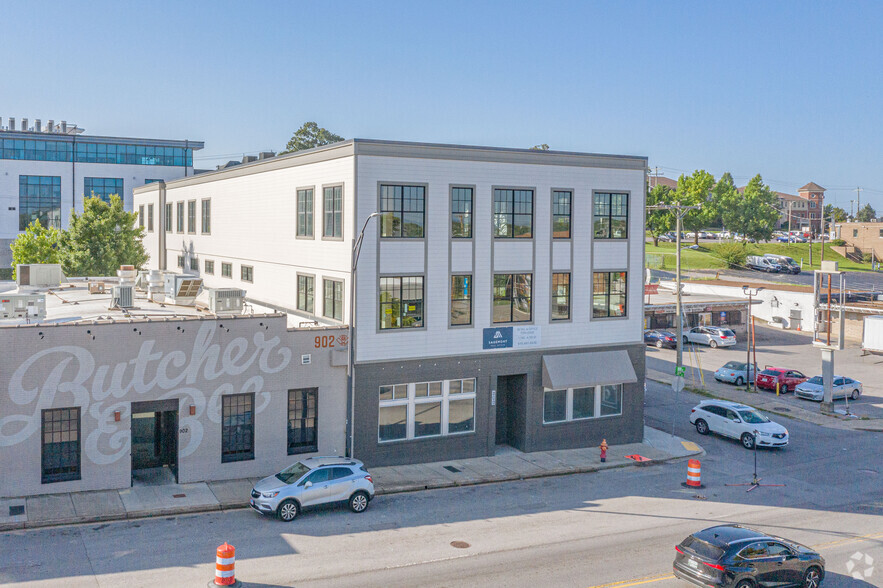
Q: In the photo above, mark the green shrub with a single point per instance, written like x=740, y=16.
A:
x=866, y=257
x=732, y=253
x=838, y=242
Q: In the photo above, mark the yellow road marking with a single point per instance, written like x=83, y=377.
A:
x=660, y=577
x=690, y=446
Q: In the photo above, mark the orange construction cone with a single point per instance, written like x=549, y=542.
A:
x=694, y=474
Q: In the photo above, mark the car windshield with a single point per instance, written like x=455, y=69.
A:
x=293, y=473
x=753, y=418
x=816, y=380
x=734, y=365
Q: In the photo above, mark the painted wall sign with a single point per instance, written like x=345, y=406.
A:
x=527, y=336
x=497, y=338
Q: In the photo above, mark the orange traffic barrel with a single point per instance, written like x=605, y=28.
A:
x=694, y=473
x=224, y=564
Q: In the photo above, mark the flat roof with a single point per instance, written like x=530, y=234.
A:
x=35, y=136
x=666, y=297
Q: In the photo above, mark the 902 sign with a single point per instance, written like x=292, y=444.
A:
x=324, y=341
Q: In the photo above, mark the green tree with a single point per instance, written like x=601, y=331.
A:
x=752, y=213
x=38, y=244
x=659, y=221
x=101, y=239
x=838, y=214
x=694, y=190
x=866, y=214
x=724, y=192
x=311, y=135
x=540, y=147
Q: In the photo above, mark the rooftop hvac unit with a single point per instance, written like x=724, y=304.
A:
x=225, y=300
x=41, y=275
x=182, y=289
x=31, y=307
x=123, y=297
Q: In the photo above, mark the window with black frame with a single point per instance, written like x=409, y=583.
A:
x=609, y=294
x=611, y=215
x=560, y=296
x=237, y=427
x=512, y=298
x=401, y=302
x=60, y=447
x=461, y=300
x=102, y=188
x=303, y=434
x=333, y=299
x=305, y=293
x=402, y=211
x=561, y=203
x=513, y=214
x=39, y=198
x=461, y=213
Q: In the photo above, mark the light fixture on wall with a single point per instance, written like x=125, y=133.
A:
x=116, y=416
x=192, y=409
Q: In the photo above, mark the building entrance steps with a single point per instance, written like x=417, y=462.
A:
x=170, y=499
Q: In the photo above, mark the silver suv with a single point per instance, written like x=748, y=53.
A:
x=313, y=481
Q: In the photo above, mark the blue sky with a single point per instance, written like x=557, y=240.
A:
x=790, y=90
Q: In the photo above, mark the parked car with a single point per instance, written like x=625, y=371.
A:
x=738, y=421
x=788, y=380
x=760, y=263
x=733, y=556
x=666, y=238
x=787, y=264
x=660, y=338
x=311, y=482
x=735, y=372
x=711, y=336
x=814, y=388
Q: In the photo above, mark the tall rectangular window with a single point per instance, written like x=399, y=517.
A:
x=103, y=188
x=513, y=214
x=305, y=285
x=181, y=261
x=168, y=218
x=206, y=217
x=611, y=212
x=333, y=299
x=305, y=212
x=561, y=202
x=401, y=302
x=609, y=294
x=237, y=427
x=303, y=435
x=512, y=296
x=191, y=217
x=560, y=296
x=39, y=198
x=60, y=446
x=246, y=273
x=402, y=209
x=209, y=266
x=141, y=216
x=226, y=270
x=461, y=213
x=150, y=217
x=332, y=210
x=180, y=217
x=461, y=300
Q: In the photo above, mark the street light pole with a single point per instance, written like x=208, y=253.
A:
x=350, y=367
x=751, y=293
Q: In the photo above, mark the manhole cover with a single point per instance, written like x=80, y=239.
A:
x=459, y=544
x=860, y=471
x=452, y=469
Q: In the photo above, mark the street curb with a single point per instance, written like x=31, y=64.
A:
x=182, y=510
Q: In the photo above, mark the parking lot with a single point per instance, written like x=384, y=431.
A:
x=786, y=349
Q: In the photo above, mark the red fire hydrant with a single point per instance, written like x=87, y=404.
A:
x=603, y=450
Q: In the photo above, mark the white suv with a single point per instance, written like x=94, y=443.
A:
x=313, y=481
x=711, y=336
x=738, y=421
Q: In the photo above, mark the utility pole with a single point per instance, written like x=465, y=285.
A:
x=789, y=220
x=858, y=200
x=749, y=331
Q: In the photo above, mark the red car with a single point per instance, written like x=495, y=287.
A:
x=787, y=380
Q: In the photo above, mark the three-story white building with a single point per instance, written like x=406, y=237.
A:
x=498, y=295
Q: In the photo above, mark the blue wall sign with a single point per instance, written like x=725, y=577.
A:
x=497, y=338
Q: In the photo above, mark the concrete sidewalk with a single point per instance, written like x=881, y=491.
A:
x=769, y=402
x=172, y=499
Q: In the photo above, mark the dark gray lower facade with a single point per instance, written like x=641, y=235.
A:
x=511, y=407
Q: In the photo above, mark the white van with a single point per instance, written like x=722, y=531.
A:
x=783, y=260
x=763, y=264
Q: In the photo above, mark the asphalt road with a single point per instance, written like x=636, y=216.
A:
x=617, y=526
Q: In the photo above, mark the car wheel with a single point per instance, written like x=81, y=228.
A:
x=855, y=394
x=812, y=577
x=783, y=389
x=748, y=440
x=659, y=344
x=745, y=584
x=359, y=501
x=740, y=381
x=713, y=344
x=288, y=510
x=701, y=427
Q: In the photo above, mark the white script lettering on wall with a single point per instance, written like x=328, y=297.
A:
x=70, y=375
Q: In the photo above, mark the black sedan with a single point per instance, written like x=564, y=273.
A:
x=732, y=556
x=660, y=338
